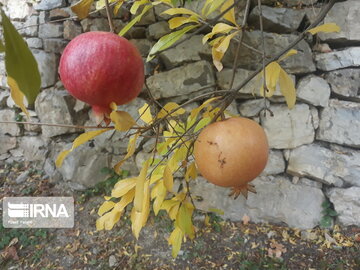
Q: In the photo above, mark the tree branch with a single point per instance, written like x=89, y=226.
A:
x=240, y=43
x=232, y=94
x=109, y=16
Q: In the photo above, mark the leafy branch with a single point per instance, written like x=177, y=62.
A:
x=175, y=128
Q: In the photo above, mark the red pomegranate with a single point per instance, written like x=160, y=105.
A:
x=101, y=67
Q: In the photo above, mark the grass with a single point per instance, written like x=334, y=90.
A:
x=26, y=237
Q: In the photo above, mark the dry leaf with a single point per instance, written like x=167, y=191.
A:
x=245, y=219
x=276, y=250
x=357, y=237
x=10, y=252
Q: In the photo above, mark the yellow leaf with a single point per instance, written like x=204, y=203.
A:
x=218, y=28
x=167, y=205
x=166, y=2
x=230, y=15
x=216, y=211
x=219, y=49
x=113, y=106
x=210, y=6
x=125, y=200
x=174, y=211
x=100, y=4
x=210, y=113
x=202, y=123
x=139, y=189
x=130, y=151
x=77, y=142
x=171, y=109
x=289, y=53
x=134, y=8
x=108, y=220
x=183, y=219
x=157, y=174
x=191, y=172
x=179, y=21
x=168, y=179
x=326, y=28
x=224, y=44
x=159, y=193
x=82, y=8
x=17, y=95
x=105, y=207
x=145, y=114
x=174, y=11
x=287, y=88
x=117, y=7
x=217, y=56
x=130, y=24
x=122, y=120
x=272, y=71
x=122, y=187
x=180, y=153
x=194, y=112
x=139, y=218
x=175, y=240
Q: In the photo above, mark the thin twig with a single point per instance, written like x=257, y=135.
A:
x=229, y=97
x=109, y=16
x=55, y=125
x=64, y=19
x=203, y=27
x=265, y=88
x=240, y=43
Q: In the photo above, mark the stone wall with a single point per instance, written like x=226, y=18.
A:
x=315, y=147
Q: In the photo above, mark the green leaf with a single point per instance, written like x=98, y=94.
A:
x=202, y=123
x=332, y=213
x=134, y=21
x=168, y=40
x=326, y=222
x=210, y=6
x=2, y=47
x=326, y=204
x=82, y=8
x=19, y=62
x=134, y=8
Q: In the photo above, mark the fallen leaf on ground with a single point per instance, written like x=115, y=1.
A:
x=276, y=250
x=245, y=219
x=10, y=252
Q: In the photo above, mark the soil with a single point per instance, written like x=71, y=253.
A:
x=218, y=244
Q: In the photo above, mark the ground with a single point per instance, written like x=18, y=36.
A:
x=218, y=244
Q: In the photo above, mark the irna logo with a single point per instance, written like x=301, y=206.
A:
x=29, y=210
x=38, y=212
